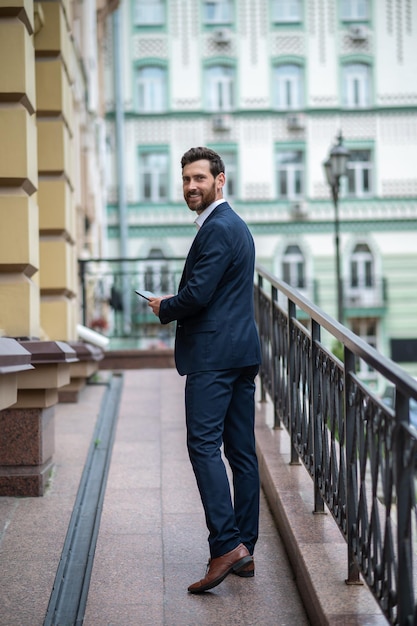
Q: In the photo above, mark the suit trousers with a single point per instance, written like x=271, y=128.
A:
x=220, y=409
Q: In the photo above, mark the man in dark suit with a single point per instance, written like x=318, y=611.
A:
x=217, y=347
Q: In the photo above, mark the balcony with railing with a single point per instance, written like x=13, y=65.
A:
x=365, y=297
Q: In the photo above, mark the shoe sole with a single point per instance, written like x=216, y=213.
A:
x=250, y=574
x=235, y=568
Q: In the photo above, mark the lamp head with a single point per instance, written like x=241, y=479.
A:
x=339, y=157
x=328, y=171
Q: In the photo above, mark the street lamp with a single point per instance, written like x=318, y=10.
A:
x=335, y=167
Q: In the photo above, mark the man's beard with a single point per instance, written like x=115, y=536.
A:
x=206, y=200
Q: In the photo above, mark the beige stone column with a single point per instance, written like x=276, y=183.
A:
x=54, y=104
x=30, y=142
x=19, y=240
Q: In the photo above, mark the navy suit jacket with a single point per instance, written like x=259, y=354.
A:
x=214, y=307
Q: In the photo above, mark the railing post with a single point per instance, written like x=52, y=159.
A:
x=274, y=350
x=260, y=329
x=291, y=385
x=351, y=468
x=404, y=485
x=317, y=415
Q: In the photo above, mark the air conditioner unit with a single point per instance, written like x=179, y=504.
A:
x=221, y=122
x=358, y=33
x=295, y=122
x=221, y=35
x=298, y=211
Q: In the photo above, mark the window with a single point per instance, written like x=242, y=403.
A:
x=220, y=81
x=286, y=10
x=355, y=9
x=367, y=329
x=356, y=85
x=157, y=274
x=293, y=267
x=290, y=174
x=218, y=11
x=364, y=288
x=153, y=176
x=359, y=176
x=149, y=12
x=362, y=267
x=229, y=160
x=288, y=89
x=152, y=89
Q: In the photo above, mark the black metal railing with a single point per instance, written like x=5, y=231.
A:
x=360, y=453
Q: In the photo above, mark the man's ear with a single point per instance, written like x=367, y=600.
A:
x=221, y=180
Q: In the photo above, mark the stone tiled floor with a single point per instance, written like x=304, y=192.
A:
x=152, y=542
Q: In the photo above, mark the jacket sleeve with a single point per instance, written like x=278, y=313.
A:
x=212, y=254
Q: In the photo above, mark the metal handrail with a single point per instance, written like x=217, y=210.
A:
x=360, y=453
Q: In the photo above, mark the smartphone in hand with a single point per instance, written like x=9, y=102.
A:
x=145, y=294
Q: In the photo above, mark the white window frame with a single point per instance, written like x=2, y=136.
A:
x=153, y=177
x=355, y=9
x=362, y=268
x=151, y=85
x=286, y=11
x=149, y=12
x=218, y=11
x=356, y=85
x=361, y=327
x=220, y=88
x=294, y=267
x=288, y=92
x=353, y=185
x=230, y=163
x=290, y=171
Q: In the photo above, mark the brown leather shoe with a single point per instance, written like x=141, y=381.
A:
x=248, y=571
x=220, y=567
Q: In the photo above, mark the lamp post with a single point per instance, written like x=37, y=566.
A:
x=335, y=167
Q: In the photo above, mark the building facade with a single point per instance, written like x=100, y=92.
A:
x=270, y=84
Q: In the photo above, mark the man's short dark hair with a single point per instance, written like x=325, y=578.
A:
x=196, y=154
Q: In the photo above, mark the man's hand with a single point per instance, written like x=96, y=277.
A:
x=155, y=303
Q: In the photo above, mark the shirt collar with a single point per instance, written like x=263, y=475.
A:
x=200, y=219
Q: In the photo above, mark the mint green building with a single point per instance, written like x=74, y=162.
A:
x=269, y=84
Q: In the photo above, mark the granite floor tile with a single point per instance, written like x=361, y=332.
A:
x=181, y=538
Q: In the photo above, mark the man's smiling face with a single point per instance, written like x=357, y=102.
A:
x=199, y=185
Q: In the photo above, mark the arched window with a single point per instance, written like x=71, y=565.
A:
x=157, y=274
x=288, y=87
x=153, y=176
x=358, y=183
x=229, y=160
x=152, y=92
x=356, y=85
x=289, y=174
x=362, y=274
x=220, y=87
x=293, y=267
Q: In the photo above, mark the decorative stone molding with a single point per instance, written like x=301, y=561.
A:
x=288, y=44
x=27, y=427
x=86, y=365
x=13, y=359
x=147, y=47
